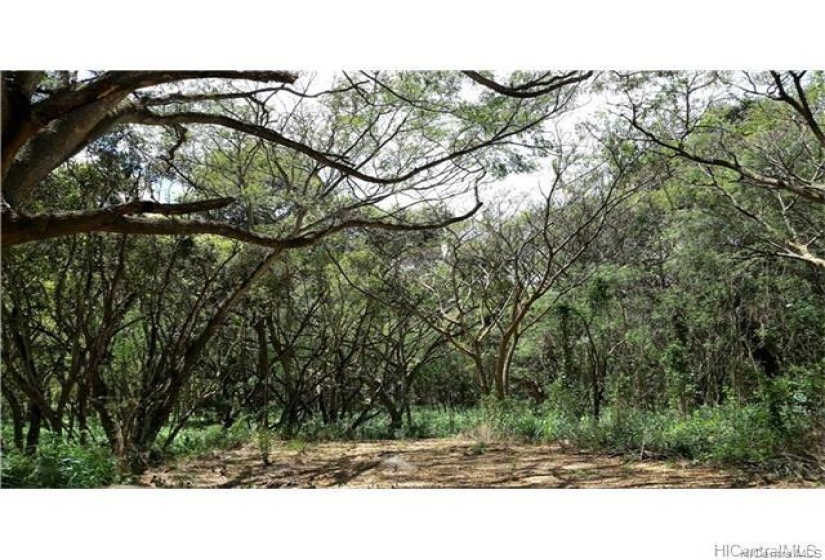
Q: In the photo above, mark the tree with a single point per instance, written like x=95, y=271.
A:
x=391, y=131
x=755, y=137
x=492, y=272
x=317, y=164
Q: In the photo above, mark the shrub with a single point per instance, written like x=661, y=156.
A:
x=60, y=465
x=194, y=440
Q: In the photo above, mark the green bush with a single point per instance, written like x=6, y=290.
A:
x=730, y=433
x=15, y=469
x=507, y=419
x=59, y=465
x=194, y=440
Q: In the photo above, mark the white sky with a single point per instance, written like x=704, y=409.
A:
x=428, y=34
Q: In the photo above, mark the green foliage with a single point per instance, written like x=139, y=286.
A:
x=434, y=423
x=58, y=464
x=298, y=445
x=195, y=440
x=263, y=440
x=510, y=419
x=62, y=464
x=727, y=434
x=564, y=402
x=795, y=404
x=679, y=384
x=16, y=470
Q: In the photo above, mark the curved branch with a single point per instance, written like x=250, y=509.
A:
x=527, y=91
x=44, y=134
x=22, y=228
x=112, y=83
x=302, y=241
x=812, y=192
x=19, y=229
x=800, y=105
x=145, y=117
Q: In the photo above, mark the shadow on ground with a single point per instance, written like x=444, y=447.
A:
x=438, y=463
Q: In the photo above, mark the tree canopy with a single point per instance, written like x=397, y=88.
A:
x=361, y=138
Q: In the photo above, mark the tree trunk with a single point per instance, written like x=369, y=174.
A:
x=506, y=350
x=481, y=374
x=35, y=424
x=263, y=370
x=16, y=419
x=134, y=440
x=83, y=412
x=597, y=390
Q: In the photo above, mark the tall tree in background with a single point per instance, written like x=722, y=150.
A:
x=756, y=138
x=494, y=277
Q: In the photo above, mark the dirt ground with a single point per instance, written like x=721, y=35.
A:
x=439, y=463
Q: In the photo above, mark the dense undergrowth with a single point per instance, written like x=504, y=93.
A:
x=781, y=433
x=61, y=464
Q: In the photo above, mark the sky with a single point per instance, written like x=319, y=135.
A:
x=427, y=34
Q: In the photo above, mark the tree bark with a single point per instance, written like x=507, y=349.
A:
x=16, y=419
x=35, y=424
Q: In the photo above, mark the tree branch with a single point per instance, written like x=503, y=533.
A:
x=111, y=83
x=22, y=228
x=44, y=134
x=812, y=192
x=19, y=229
x=527, y=91
x=801, y=105
x=142, y=116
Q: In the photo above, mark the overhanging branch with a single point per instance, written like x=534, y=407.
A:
x=146, y=117
x=23, y=228
x=812, y=192
x=535, y=88
x=19, y=229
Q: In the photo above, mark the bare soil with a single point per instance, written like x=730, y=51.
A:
x=439, y=463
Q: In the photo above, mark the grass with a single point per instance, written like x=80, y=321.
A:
x=199, y=439
x=778, y=436
x=754, y=434
x=62, y=464
x=59, y=464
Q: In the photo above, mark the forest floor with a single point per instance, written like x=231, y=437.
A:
x=440, y=463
